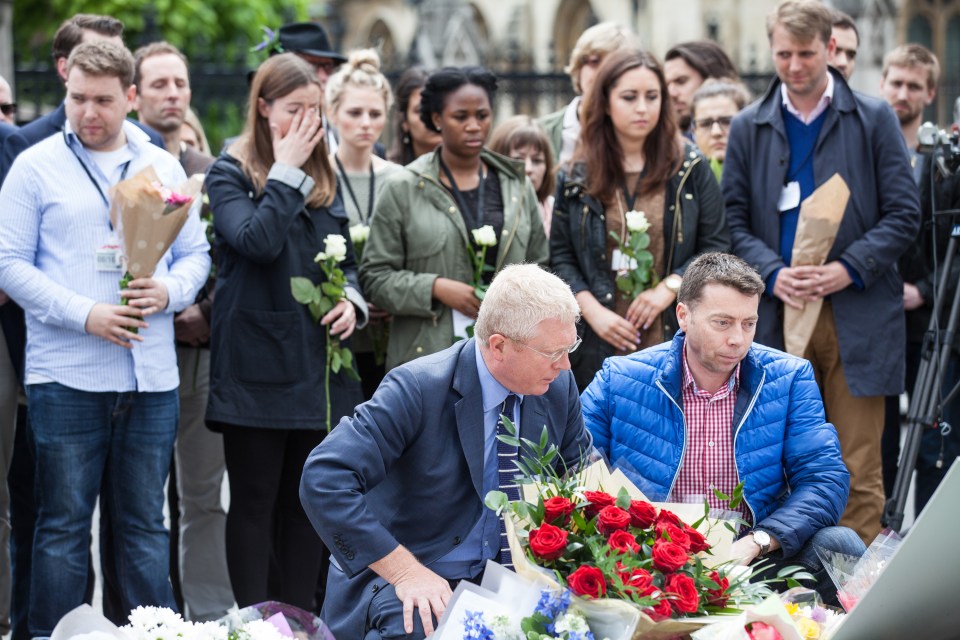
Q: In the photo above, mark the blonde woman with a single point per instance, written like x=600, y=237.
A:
x=358, y=98
x=274, y=200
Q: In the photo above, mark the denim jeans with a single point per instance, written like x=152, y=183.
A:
x=123, y=443
x=836, y=539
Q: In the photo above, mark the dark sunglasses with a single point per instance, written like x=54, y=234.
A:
x=8, y=108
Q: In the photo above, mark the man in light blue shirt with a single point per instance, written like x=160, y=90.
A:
x=103, y=399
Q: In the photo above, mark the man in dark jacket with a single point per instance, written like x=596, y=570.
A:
x=396, y=491
x=712, y=409
x=806, y=128
x=909, y=84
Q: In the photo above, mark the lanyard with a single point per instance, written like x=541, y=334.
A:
x=458, y=195
x=86, y=170
x=353, y=196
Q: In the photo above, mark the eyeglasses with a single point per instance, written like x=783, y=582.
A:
x=8, y=108
x=327, y=64
x=556, y=355
x=707, y=123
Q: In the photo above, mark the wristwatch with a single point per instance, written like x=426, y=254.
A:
x=762, y=538
x=672, y=282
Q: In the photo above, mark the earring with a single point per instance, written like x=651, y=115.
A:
x=406, y=138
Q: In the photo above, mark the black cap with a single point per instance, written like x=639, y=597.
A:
x=308, y=37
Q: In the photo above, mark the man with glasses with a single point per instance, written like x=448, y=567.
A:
x=396, y=491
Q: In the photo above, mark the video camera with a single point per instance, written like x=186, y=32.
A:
x=945, y=146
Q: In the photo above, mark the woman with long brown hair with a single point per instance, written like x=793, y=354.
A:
x=630, y=157
x=273, y=195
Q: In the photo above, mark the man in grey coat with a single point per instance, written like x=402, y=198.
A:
x=807, y=127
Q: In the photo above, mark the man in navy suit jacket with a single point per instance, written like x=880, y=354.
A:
x=396, y=491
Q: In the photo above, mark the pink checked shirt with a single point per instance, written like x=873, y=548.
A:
x=708, y=457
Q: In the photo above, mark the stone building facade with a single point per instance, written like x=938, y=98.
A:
x=536, y=36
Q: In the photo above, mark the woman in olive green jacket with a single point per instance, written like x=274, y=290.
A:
x=416, y=265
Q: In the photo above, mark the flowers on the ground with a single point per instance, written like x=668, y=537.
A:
x=601, y=545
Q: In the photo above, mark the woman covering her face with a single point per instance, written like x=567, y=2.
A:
x=274, y=199
x=630, y=157
x=416, y=265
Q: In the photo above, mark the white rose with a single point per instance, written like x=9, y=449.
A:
x=359, y=233
x=637, y=221
x=485, y=236
x=334, y=246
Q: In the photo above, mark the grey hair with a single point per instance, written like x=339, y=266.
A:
x=521, y=297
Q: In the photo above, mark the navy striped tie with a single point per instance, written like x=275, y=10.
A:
x=507, y=471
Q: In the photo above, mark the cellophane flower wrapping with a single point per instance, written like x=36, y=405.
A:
x=853, y=575
x=148, y=216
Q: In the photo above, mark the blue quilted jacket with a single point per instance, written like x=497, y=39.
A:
x=787, y=455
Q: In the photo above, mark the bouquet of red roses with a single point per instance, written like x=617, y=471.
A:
x=630, y=559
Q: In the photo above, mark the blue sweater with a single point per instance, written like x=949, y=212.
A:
x=802, y=139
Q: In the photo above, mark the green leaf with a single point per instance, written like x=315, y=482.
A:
x=316, y=311
x=332, y=290
x=480, y=292
x=352, y=374
x=336, y=361
x=616, y=236
x=642, y=242
x=303, y=290
x=721, y=495
x=496, y=500
x=326, y=304
x=347, y=356
x=623, y=499
x=625, y=284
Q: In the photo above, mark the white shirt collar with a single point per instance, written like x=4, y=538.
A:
x=822, y=105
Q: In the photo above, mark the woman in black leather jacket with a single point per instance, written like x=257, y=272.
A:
x=630, y=156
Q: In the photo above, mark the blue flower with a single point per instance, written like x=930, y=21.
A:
x=475, y=626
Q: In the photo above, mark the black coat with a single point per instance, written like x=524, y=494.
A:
x=578, y=243
x=267, y=355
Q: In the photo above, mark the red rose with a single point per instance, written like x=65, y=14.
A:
x=718, y=597
x=548, y=542
x=554, y=508
x=697, y=542
x=661, y=611
x=674, y=533
x=587, y=581
x=623, y=541
x=598, y=500
x=668, y=556
x=612, y=519
x=686, y=598
x=636, y=580
x=642, y=514
x=669, y=516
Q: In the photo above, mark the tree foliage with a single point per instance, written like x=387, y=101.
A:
x=202, y=29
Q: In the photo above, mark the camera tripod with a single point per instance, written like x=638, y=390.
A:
x=925, y=410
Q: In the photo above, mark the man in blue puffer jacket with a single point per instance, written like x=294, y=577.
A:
x=711, y=409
